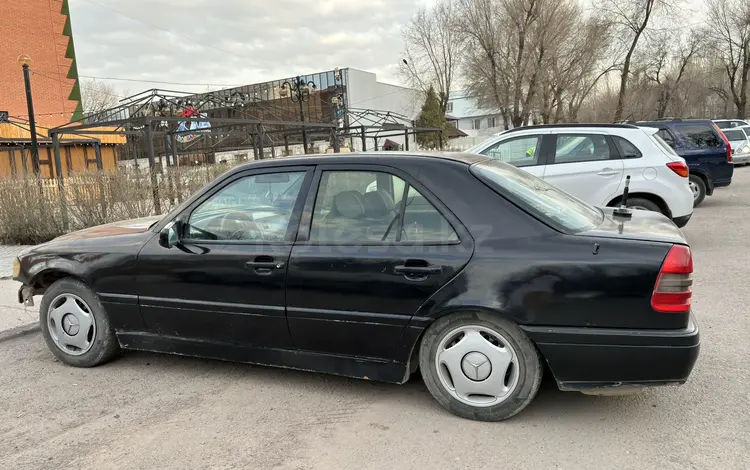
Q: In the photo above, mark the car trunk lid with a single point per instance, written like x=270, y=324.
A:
x=643, y=225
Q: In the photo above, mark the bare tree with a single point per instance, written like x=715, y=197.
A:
x=432, y=48
x=632, y=17
x=667, y=67
x=509, y=43
x=98, y=96
x=579, y=62
x=487, y=55
x=730, y=30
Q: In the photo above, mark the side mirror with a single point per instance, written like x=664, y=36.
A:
x=169, y=235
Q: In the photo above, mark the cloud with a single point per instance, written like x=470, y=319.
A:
x=235, y=41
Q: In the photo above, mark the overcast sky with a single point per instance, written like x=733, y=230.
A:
x=237, y=42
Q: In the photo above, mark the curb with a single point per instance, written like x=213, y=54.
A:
x=19, y=331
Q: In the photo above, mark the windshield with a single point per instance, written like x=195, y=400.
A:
x=543, y=200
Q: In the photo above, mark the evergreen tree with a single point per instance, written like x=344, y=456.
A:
x=431, y=116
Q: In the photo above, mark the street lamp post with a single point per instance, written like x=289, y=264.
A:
x=299, y=93
x=24, y=61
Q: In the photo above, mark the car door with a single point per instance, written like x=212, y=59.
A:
x=584, y=164
x=224, y=281
x=366, y=258
x=522, y=151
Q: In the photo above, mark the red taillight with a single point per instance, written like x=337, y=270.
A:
x=679, y=168
x=673, y=289
x=726, y=141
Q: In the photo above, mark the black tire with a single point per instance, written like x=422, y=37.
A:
x=529, y=373
x=640, y=202
x=104, y=343
x=701, y=185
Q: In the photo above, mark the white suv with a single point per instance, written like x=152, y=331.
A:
x=591, y=162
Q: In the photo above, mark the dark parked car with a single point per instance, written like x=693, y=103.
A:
x=470, y=270
x=705, y=149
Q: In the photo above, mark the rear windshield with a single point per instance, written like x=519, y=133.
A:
x=541, y=199
x=734, y=134
x=701, y=136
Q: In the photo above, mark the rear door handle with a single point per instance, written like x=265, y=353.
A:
x=418, y=270
x=608, y=172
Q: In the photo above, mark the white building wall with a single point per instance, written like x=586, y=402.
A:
x=364, y=91
x=468, y=110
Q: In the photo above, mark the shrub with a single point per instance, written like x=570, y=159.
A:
x=32, y=210
x=28, y=215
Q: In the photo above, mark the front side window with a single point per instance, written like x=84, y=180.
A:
x=701, y=136
x=538, y=197
x=519, y=151
x=574, y=148
x=255, y=209
x=360, y=207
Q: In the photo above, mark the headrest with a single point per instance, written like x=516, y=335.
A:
x=378, y=203
x=349, y=204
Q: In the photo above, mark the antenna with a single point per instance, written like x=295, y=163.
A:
x=623, y=210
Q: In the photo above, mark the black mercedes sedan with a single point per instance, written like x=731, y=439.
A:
x=469, y=270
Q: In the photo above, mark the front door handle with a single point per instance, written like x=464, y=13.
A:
x=608, y=172
x=264, y=265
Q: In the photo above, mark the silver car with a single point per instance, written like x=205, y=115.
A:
x=730, y=123
x=738, y=138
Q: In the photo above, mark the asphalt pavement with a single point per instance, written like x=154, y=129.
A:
x=156, y=411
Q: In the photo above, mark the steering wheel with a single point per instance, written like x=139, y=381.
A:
x=240, y=226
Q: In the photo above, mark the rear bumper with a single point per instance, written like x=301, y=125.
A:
x=682, y=221
x=722, y=184
x=602, y=358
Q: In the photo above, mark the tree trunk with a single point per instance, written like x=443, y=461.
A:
x=559, y=114
x=546, y=107
x=664, y=96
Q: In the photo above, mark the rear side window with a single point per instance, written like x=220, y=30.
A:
x=700, y=136
x=666, y=136
x=669, y=150
x=626, y=148
x=574, y=148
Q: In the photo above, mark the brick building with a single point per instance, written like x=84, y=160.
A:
x=41, y=29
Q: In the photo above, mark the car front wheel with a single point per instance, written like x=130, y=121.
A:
x=75, y=325
x=480, y=366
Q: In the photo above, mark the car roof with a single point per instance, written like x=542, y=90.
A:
x=575, y=125
x=364, y=157
x=674, y=121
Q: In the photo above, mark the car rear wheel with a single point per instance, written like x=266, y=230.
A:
x=75, y=325
x=480, y=366
x=698, y=187
x=644, y=204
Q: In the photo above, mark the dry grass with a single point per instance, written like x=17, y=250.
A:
x=32, y=210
